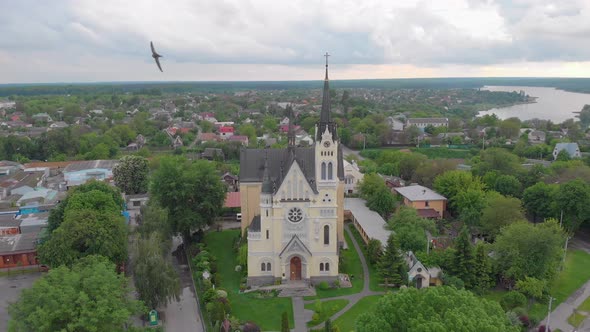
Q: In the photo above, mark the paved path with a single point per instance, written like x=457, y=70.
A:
x=12, y=286
x=348, y=151
x=183, y=315
x=302, y=316
x=564, y=310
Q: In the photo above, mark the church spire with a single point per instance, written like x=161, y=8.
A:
x=266, y=183
x=325, y=116
x=291, y=132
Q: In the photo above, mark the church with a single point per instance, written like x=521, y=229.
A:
x=292, y=206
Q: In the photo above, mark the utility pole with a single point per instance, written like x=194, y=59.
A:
x=565, y=252
x=561, y=219
x=549, y=314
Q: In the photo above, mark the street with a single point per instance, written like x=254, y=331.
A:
x=11, y=288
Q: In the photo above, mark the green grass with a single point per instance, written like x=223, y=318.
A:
x=585, y=306
x=352, y=266
x=576, y=319
x=346, y=322
x=329, y=308
x=265, y=312
x=373, y=274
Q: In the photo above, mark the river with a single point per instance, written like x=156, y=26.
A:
x=551, y=104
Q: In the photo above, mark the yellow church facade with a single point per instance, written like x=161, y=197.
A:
x=292, y=207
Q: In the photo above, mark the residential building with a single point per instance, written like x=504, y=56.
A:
x=537, y=137
x=292, y=205
x=572, y=149
x=352, y=177
x=425, y=122
x=79, y=173
x=226, y=132
x=426, y=201
x=239, y=138
x=396, y=124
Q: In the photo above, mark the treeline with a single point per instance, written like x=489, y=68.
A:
x=569, y=84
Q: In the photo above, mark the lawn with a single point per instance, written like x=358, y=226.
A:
x=582, y=313
x=373, y=274
x=346, y=322
x=265, y=312
x=352, y=266
x=574, y=275
x=328, y=309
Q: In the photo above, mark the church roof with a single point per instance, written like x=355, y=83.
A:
x=255, y=224
x=279, y=162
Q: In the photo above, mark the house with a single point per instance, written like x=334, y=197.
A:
x=208, y=137
x=572, y=149
x=232, y=181
x=425, y=122
x=537, y=137
x=58, y=125
x=239, y=138
x=352, y=177
x=419, y=275
x=177, y=142
x=285, y=128
x=174, y=130
x=395, y=123
x=135, y=202
x=285, y=121
x=18, y=239
x=79, y=173
x=226, y=132
x=213, y=153
x=426, y=201
x=43, y=117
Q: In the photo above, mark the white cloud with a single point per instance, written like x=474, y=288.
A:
x=75, y=37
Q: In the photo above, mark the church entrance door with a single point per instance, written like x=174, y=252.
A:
x=295, y=268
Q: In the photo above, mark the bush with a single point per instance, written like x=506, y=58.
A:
x=512, y=300
x=323, y=285
x=374, y=250
x=453, y=281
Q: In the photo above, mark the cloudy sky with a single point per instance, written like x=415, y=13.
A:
x=108, y=40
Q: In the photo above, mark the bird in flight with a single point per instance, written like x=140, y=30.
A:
x=156, y=56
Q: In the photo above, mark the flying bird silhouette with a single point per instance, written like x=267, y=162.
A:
x=156, y=56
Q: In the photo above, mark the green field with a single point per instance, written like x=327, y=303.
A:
x=346, y=322
x=265, y=312
x=352, y=266
x=328, y=309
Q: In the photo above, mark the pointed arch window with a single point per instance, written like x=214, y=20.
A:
x=330, y=171
x=323, y=171
x=263, y=267
x=326, y=234
x=322, y=267
x=267, y=266
x=327, y=267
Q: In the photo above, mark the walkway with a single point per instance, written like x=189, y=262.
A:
x=560, y=315
x=302, y=316
x=348, y=151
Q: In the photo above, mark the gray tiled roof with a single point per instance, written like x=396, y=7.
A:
x=419, y=193
x=255, y=224
x=279, y=162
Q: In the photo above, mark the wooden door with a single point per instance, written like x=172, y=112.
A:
x=295, y=268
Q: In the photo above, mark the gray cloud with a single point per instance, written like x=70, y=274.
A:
x=52, y=36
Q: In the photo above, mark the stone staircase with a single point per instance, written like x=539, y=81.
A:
x=291, y=289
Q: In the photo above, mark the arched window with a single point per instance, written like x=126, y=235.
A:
x=267, y=266
x=323, y=171
x=326, y=234
x=327, y=267
x=321, y=266
x=330, y=171
x=263, y=267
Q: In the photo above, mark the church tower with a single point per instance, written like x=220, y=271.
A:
x=292, y=206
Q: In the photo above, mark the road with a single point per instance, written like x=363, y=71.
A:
x=348, y=151
x=183, y=315
x=11, y=288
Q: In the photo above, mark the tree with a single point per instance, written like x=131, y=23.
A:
x=508, y=185
x=470, y=204
x=499, y=160
x=463, y=260
x=410, y=229
x=90, y=296
x=434, y=309
x=563, y=155
x=382, y=201
x=131, y=174
x=429, y=170
x=285, y=322
x=450, y=184
x=499, y=212
x=409, y=163
x=529, y=250
x=328, y=326
x=572, y=198
x=585, y=116
x=392, y=266
x=537, y=198
x=154, y=218
x=191, y=191
x=510, y=127
x=374, y=251
x=482, y=270
x=84, y=233
x=91, y=200
x=155, y=278
x=531, y=287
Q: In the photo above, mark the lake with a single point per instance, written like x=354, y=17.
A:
x=552, y=104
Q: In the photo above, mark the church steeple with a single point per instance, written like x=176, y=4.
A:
x=291, y=132
x=325, y=116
